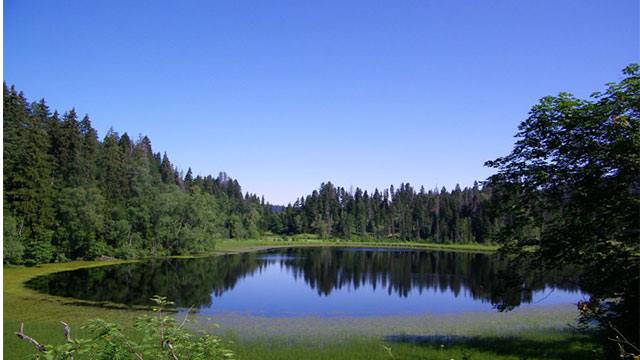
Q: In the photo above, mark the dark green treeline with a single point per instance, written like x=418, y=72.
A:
x=68, y=194
x=461, y=215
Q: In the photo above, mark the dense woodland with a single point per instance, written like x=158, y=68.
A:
x=69, y=195
x=461, y=215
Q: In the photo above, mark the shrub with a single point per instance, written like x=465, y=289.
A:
x=162, y=337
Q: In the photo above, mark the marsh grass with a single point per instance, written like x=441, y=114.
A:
x=334, y=328
x=535, y=345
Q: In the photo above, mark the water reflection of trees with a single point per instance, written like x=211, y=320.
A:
x=398, y=272
x=484, y=277
x=185, y=281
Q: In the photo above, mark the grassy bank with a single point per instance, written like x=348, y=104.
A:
x=41, y=314
x=311, y=240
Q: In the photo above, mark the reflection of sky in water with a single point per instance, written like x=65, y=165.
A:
x=276, y=257
x=381, y=250
x=274, y=291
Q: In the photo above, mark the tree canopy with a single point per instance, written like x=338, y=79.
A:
x=68, y=195
x=570, y=193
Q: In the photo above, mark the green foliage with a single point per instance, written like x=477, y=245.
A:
x=161, y=337
x=39, y=250
x=13, y=249
x=27, y=166
x=80, y=212
x=458, y=216
x=186, y=222
x=570, y=192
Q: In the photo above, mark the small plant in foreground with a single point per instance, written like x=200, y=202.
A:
x=162, y=337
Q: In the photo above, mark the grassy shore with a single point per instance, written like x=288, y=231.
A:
x=248, y=245
x=41, y=314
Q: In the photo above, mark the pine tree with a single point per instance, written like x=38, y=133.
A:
x=166, y=170
x=69, y=160
x=27, y=168
x=113, y=172
x=188, y=179
x=88, y=151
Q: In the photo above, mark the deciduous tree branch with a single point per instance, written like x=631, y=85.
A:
x=27, y=338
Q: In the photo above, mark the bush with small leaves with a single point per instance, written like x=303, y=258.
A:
x=161, y=337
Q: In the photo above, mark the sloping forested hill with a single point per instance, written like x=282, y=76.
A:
x=68, y=194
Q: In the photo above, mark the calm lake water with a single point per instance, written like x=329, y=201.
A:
x=320, y=282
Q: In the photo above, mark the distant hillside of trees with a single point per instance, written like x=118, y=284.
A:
x=460, y=215
x=68, y=194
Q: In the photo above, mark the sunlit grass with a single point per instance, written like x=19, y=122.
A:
x=42, y=313
x=312, y=240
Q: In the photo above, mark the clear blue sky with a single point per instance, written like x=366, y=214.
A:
x=283, y=95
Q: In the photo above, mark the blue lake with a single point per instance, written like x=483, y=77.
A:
x=322, y=281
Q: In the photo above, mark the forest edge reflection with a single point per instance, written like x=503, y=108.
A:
x=398, y=272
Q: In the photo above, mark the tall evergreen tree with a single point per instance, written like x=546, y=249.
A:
x=88, y=151
x=28, y=173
